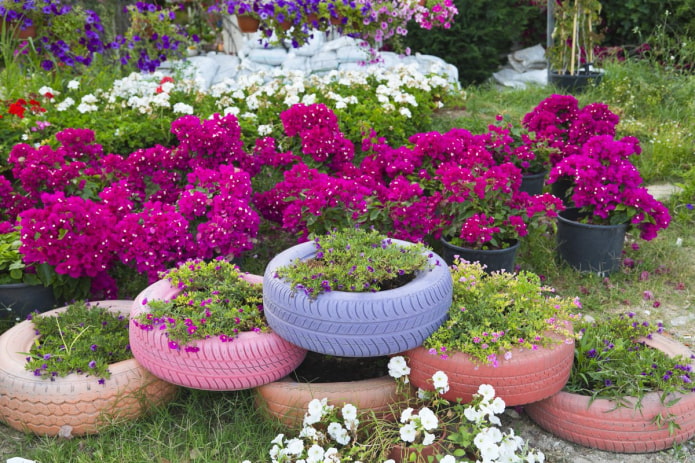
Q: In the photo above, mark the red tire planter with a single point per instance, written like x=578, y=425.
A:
x=347, y=324
x=602, y=425
x=287, y=400
x=250, y=360
x=529, y=376
x=75, y=404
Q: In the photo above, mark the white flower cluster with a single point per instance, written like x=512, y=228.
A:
x=313, y=445
x=418, y=425
x=493, y=445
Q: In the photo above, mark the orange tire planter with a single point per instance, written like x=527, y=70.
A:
x=529, y=376
x=287, y=400
x=250, y=360
x=73, y=405
x=603, y=425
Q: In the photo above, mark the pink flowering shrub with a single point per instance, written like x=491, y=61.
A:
x=559, y=123
x=84, y=213
x=607, y=186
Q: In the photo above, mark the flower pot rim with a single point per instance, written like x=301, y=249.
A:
x=433, y=259
x=516, y=244
x=575, y=210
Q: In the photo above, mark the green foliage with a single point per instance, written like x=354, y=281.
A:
x=492, y=314
x=214, y=300
x=84, y=339
x=479, y=39
x=12, y=267
x=355, y=260
x=626, y=21
x=612, y=362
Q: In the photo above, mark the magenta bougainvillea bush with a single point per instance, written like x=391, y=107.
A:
x=84, y=212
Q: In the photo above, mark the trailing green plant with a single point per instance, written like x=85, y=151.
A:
x=213, y=300
x=491, y=315
x=612, y=362
x=84, y=339
x=355, y=260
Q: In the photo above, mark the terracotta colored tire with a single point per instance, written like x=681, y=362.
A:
x=601, y=425
x=347, y=324
x=287, y=400
x=250, y=360
x=75, y=404
x=527, y=377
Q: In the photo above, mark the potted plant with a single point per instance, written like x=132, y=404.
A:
x=591, y=234
x=630, y=389
x=483, y=214
x=574, y=36
x=560, y=125
x=356, y=293
x=506, y=330
x=21, y=289
x=70, y=372
x=203, y=326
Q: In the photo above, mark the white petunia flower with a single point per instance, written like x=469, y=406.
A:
x=405, y=112
x=295, y=446
x=440, y=381
x=314, y=454
x=428, y=419
x=486, y=391
x=408, y=433
x=406, y=414
x=447, y=459
x=398, y=367
x=73, y=84
x=428, y=438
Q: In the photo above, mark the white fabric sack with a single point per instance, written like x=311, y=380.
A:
x=352, y=54
x=296, y=63
x=528, y=59
x=271, y=56
x=511, y=78
x=338, y=43
x=323, y=61
x=313, y=46
x=228, y=67
x=203, y=70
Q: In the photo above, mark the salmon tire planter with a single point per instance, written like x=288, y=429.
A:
x=351, y=324
x=73, y=405
x=602, y=425
x=527, y=377
x=249, y=360
x=287, y=400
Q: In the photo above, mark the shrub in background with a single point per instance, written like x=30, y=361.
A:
x=480, y=36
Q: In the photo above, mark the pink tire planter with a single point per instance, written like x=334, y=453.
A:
x=250, y=360
x=287, y=400
x=73, y=405
x=603, y=425
x=529, y=376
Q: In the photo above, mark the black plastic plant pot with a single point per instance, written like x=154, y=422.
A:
x=494, y=260
x=587, y=247
x=574, y=83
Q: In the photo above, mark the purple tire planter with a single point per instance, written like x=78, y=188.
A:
x=349, y=324
x=250, y=360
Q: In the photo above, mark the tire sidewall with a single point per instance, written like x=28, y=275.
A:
x=353, y=324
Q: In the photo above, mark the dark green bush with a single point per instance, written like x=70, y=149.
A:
x=480, y=38
x=628, y=21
